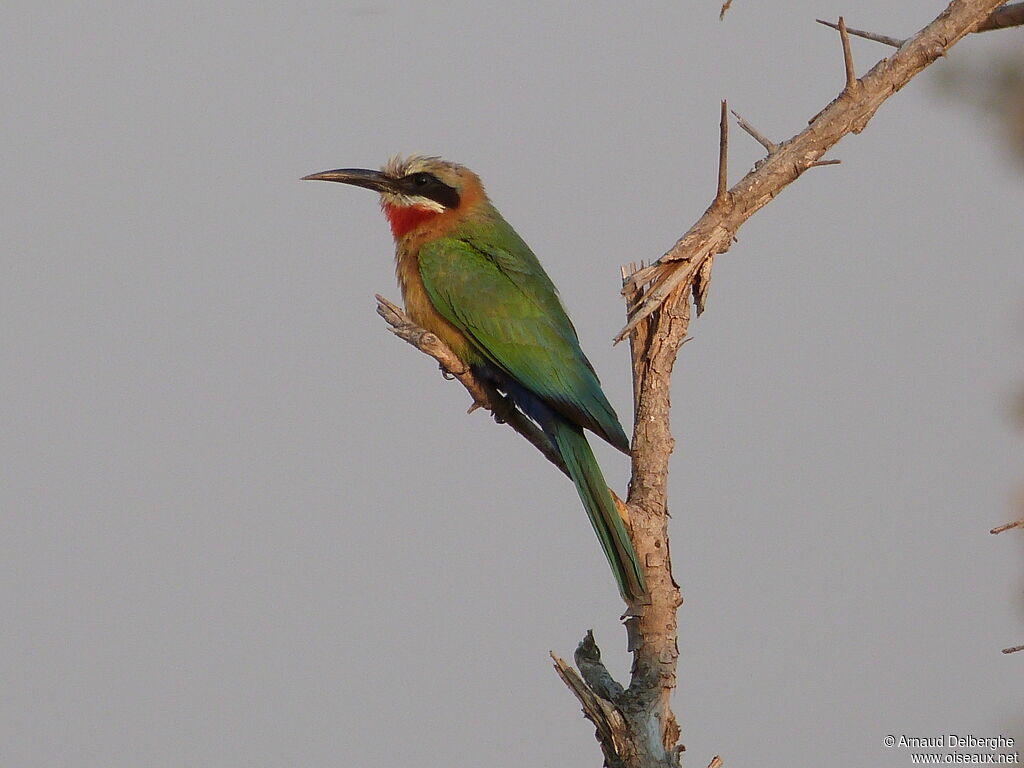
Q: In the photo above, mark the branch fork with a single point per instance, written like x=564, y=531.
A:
x=713, y=234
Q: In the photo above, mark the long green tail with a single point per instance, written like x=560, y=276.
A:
x=597, y=499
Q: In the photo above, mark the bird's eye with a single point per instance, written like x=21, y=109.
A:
x=421, y=179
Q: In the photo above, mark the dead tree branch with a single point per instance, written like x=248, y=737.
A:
x=1008, y=16
x=635, y=725
x=850, y=112
x=769, y=146
x=1008, y=526
x=895, y=42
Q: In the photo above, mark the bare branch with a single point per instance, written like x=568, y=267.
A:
x=895, y=42
x=483, y=395
x=650, y=728
x=770, y=146
x=1002, y=18
x=1008, y=526
x=612, y=731
x=715, y=231
x=1007, y=16
x=1014, y=649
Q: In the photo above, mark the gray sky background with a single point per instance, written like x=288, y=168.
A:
x=242, y=525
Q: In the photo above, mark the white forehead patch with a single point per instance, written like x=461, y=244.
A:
x=397, y=166
x=409, y=201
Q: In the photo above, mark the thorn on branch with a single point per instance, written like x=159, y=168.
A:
x=885, y=39
x=1008, y=526
x=1014, y=649
x=722, y=195
x=716, y=762
x=817, y=163
x=852, y=85
x=770, y=146
x=725, y=7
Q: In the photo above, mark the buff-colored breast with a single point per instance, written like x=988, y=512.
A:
x=418, y=305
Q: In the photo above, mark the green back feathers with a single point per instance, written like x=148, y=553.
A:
x=487, y=282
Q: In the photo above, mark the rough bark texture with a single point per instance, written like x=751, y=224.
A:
x=635, y=726
x=656, y=650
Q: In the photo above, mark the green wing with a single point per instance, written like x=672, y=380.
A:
x=487, y=282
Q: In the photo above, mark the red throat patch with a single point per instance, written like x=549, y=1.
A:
x=405, y=218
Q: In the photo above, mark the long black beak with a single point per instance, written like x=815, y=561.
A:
x=358, y=177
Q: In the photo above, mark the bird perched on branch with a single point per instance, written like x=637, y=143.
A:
x=467, y=277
